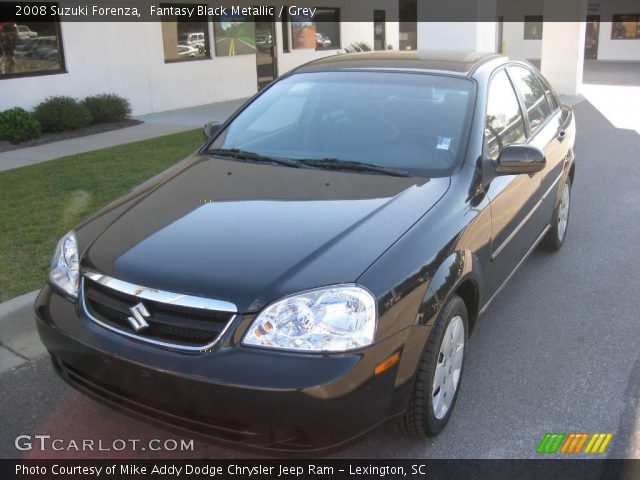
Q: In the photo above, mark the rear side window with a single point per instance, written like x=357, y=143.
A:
x=503, y=123
x=533, y=94
x=551, y=98
x=553, y=103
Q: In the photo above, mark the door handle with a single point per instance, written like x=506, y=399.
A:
x=562, y=135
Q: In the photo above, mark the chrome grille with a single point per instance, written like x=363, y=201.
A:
x=170, y=323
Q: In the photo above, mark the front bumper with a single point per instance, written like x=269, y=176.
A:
x=269, y=400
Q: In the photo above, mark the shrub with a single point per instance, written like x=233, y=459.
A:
x=56, y=114
x=358, y=47
x=18, y=125
x=108, y=107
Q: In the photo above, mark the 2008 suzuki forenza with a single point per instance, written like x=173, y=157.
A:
x=317, y=267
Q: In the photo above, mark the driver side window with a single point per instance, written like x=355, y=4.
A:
x=503, y=122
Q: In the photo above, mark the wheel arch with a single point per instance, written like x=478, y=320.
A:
x=459, y=273
x=572, y=171
x=469, y=292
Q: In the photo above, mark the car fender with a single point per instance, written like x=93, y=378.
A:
x=453, y=271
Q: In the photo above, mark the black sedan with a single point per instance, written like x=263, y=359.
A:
x=318, y=266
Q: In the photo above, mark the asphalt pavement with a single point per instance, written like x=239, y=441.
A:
x=557, y=351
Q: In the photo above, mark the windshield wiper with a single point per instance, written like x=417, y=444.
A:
x=337, y=164
x=255, y=157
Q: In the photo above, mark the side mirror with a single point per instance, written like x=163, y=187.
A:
x=517, y=159
x=211, y=129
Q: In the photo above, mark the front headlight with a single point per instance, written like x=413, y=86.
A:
x=330, y=319
x=65, y=268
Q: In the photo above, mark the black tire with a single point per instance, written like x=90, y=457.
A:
x=419, y=420
x=555, y=237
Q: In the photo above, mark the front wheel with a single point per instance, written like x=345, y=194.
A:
x=554, y=239
x=439, y=373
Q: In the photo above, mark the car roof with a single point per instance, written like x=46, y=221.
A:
x=459, y=63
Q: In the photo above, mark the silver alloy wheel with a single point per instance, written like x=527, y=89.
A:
x=448, y=368
x=563, y=212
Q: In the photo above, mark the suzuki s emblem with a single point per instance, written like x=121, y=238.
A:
x=139, y=313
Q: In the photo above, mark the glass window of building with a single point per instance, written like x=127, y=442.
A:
x=625, y=27
x=284, y=24
x=30, y=48
x=379, y=30
x=533, y=27
x=236, y=35
x=408, y=16
x=185, y=38
x=327, y=22
x=303, y=32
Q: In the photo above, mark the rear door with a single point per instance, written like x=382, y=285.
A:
x=546, y=127
x=513, y=197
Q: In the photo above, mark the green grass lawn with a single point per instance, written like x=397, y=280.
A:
x=38, y=204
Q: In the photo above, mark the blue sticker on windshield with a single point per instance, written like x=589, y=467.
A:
x=443, y=143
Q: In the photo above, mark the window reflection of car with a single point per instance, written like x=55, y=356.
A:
x=264, y=42
x=25, y=47
x=48, y=53
x=29, y=46
x=25, y=32
x=322, y=41
x=187, y=51
x=195, y=40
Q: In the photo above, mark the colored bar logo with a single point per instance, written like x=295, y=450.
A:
x=574, y=442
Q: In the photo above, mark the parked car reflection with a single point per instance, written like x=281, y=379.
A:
x=322, y=41
x=264, y=42
x=187, y=51
x=25, y=32
x=28, y=47
x=195, y=40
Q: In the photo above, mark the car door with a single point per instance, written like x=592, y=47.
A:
x=547, y=133
x=515, y=219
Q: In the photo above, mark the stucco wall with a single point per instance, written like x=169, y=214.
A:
x=514, y=43
x=480, y=36
x=608, y=49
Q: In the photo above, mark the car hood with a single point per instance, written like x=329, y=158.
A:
x=249, y=233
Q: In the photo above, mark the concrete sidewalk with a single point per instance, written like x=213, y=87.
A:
x=19, y=342
x=194, y=117
x=155, y=125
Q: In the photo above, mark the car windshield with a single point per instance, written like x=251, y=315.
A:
x=417, y=123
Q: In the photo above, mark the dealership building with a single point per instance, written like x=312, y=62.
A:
x=171, y=64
